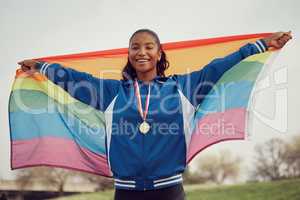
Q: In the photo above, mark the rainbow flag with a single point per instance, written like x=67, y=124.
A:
x=49, y=127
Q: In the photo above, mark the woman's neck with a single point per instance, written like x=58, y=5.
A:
x=147, y=76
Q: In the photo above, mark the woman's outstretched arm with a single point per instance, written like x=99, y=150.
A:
x=83, y=86
x=197, y=84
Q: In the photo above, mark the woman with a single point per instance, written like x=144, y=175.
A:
x=145, y=111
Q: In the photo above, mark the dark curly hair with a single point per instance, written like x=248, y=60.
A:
x=129, y=73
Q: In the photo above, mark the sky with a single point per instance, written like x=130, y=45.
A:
x=33, y=28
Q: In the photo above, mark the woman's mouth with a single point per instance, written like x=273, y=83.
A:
x=142, y=60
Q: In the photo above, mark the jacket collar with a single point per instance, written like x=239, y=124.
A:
x=157, y=79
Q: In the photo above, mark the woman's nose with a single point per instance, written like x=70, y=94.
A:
x=142, y=52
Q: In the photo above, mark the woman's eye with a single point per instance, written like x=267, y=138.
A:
x=149, y=47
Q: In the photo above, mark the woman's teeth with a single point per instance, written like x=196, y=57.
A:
x=142, y=60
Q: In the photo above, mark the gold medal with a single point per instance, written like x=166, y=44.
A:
x=144, y=127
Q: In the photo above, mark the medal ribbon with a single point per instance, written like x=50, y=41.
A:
x=139, y=100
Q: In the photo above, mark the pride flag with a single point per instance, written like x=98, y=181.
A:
x=49, y=127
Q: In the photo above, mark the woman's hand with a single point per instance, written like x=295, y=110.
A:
x=278, y=40
x=28, y=65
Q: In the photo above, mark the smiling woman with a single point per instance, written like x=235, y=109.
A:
x=148, y=118
x=146, y=58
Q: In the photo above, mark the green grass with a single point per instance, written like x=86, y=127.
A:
x=106, y=195
x=277, y=190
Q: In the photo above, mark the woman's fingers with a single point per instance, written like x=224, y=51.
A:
x=287, y=37
x=288, y=34
x=284, y=39
x=21, y=63
x=279, y=39
x=25, y=68
x=27, y=65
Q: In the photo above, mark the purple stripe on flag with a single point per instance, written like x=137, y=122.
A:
x=57, y=152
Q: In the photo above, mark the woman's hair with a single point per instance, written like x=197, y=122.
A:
x=129, y=72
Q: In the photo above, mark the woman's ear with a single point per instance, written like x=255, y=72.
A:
x=159, y=55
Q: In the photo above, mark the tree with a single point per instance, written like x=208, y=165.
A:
x=190, y=177
x=270, y=160
x=57, y=178
x=219, y=168
x=102, y=183
x=292, y=158
x=51, y=177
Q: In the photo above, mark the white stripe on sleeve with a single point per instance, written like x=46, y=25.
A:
x=262, y=45
x=258, y=47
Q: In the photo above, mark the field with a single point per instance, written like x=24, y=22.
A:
x=277, y=190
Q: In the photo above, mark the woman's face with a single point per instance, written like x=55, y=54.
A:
x=144, y=52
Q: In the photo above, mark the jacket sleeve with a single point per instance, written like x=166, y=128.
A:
x=197, y=84
x=86, y=88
